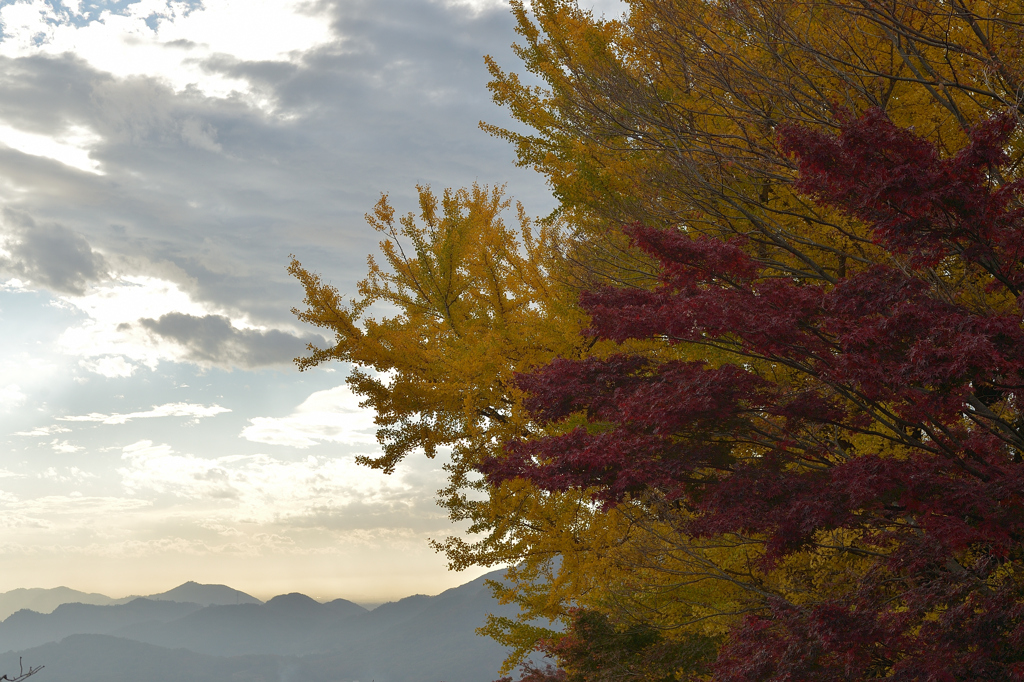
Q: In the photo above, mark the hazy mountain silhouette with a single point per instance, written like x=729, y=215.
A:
x=290, y=638
x=288, y=624
x=205, y=595
x=100, y=658
x=26, y=629
x=421, y=639
x=45, y=601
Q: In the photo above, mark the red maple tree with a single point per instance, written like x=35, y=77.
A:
x=765, y=445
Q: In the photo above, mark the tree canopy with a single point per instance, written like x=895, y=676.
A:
x=747, y=406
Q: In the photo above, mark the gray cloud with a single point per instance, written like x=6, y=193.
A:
x=222, y=192
x=213, y=340
x=50, y=255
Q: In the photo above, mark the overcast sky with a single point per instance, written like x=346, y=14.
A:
x=159, y=161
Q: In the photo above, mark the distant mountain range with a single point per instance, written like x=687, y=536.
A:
x=45, y=601
x=195, y=633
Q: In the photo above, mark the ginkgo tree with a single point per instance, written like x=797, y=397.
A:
x=467, y=301
x=473, y=302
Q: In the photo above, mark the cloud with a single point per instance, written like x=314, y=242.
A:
x=229, y=135
x=11, y=397
x=331, y=416
x=67, y=475
x=131, y=321
x=200, y=135
x=109, y=330
x=65, y=447
x=49, y=255
x=81, y=510
x=280, y=146
x=110, y=367
x=264, y=489
x=197, y=412
x=214, y=340
x=165, y=37
x=71, y=147
x=43, y=431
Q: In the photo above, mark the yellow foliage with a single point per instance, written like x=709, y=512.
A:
x=470, y=302
x=474, y=302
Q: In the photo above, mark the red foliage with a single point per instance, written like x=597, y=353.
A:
x=919, y=204
x=880, y=349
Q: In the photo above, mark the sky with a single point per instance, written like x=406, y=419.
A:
x=159, y=162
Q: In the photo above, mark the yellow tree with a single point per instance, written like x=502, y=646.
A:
x=472, y=301
x=468, y=302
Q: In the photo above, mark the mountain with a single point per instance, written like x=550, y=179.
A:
x=45, y=601
x=290, y=638
x=421, y=639
x=26, y=629
x=286, y=625
x=205, y=595
x=100, y=658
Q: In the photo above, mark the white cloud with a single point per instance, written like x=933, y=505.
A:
x=11, y=396
x=137, y=320
x=263, y=489
x=46, y=512
x=110, y=367
x=43, y=431
x=113, y=309
x=67, y=475
x=332, y=416
x=64, y=447
x=70, y=148
x=124, y=44
x=169, y=410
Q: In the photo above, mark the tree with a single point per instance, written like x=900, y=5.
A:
x=669, y=117
x=474, y=301
x=593, y=648
x=864, y=441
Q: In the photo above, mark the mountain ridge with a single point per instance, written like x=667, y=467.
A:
x=45, y=600
x=205, y=595
x=416, y=639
